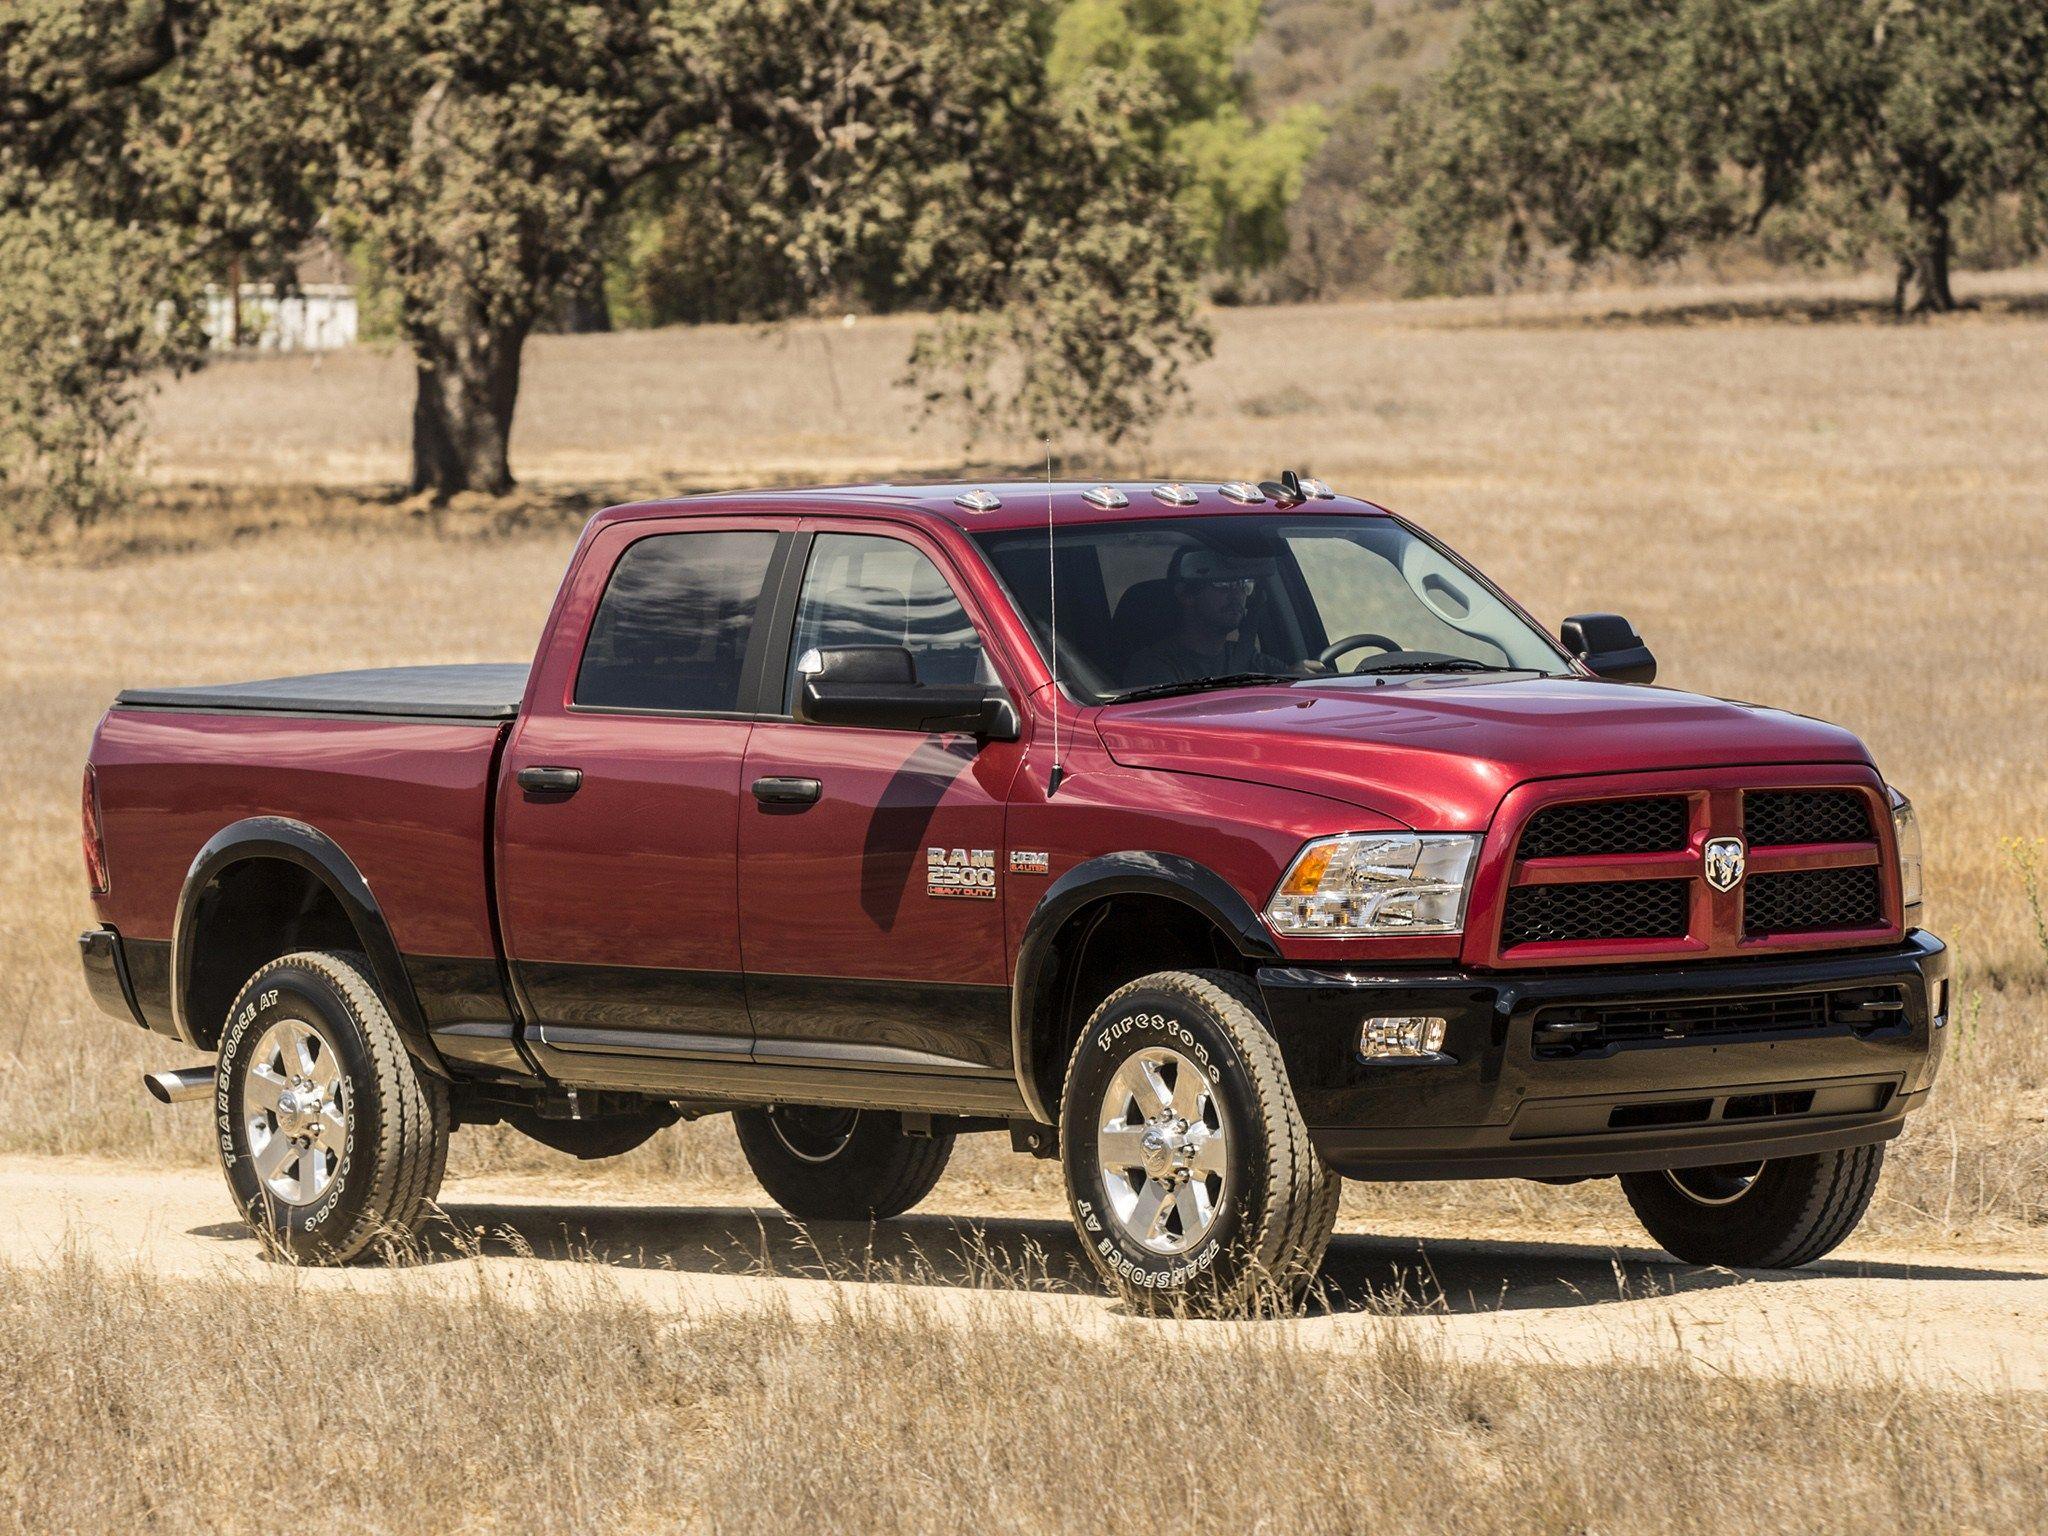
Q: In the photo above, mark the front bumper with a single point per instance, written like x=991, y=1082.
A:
x=1496, y=1105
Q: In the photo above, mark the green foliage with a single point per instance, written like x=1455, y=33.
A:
x=477, y=153
x=80, y=324
x=948, y=171
x=1642, y=128
x=1182, y=55
x=1078, y=317
x=142, y=151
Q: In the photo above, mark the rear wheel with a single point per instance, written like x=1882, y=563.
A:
x=1758, y=1215
x=330, y=1136
x=823, y=1164
x=1189, y=1170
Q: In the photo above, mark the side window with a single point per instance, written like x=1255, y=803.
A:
x=672, y=630
x=861, y=589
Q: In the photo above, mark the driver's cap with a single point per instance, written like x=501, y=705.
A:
x=1199, y=563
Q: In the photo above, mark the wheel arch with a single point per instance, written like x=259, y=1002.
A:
x=1190, y=914
x=267, y=886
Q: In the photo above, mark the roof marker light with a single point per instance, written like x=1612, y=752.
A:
x=1243, y=492
x=978, y=501
x=1318, y=489
x=1107, y=497
x=1174, y=494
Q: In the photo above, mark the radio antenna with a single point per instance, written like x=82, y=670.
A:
x=1052, y=584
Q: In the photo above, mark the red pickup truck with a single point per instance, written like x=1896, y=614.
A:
x=1223, y=841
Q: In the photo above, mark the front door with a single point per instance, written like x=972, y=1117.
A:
x=619, y=802
x=871, y=917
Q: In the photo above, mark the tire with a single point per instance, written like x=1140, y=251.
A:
x=375, y=1127
x=1774, y=1215
x=840, y=1164
x=1235, y=1219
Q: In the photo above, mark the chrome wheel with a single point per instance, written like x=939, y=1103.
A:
x=813, y=1135
x=293, y=1112
x=1163, y=1150
x=1722, y=1184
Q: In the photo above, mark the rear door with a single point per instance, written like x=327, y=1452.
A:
x=871, y=916
x=619, y=800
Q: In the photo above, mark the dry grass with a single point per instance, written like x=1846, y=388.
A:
x=1843, y=519
x=136, y=1403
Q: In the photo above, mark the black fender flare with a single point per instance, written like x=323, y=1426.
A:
x=1169, y=875
x=294, y=842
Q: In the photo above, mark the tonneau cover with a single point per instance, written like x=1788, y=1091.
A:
x=476, y=691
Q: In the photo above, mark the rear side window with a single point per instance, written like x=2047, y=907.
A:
x=677, y=616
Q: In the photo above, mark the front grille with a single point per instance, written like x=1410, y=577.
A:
x=1611, y=909
x=1807, y=900
x=1607, y=826
x=1774, y=817
x=1585, y=1030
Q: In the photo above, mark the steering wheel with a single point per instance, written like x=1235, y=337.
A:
x=1328, y=654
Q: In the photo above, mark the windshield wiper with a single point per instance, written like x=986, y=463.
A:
x=1202, y=685
x=1444, y=664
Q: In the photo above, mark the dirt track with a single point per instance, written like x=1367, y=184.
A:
x=1976, y=1319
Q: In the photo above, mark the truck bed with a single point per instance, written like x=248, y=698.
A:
x=476, y=691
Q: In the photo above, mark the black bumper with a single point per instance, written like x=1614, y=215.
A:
x=1499, y=1104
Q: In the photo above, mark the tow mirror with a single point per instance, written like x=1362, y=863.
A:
x=1609, y=645
x=876, y=686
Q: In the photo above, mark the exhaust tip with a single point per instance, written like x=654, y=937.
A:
x=179, y=1085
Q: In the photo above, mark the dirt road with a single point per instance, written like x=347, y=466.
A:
x=1976, y=1320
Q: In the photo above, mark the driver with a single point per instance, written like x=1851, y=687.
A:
x=1212, y=592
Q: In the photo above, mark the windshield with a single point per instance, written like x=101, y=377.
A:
x=1172, y=604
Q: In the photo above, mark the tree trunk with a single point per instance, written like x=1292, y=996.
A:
x=462, y=412
x=1923, y=267
x=588, y=308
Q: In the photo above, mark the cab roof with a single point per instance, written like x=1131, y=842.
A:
x=1019, y=503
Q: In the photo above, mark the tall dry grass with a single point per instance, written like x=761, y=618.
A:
x=1844, y=519
x=139, y=1404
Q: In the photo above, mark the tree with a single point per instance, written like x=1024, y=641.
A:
x=483, y=146
x=1241, y=175
x=476, y=150
x=79, y=327
x=1643, y=128
x=141, y=150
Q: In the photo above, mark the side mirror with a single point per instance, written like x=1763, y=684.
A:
x=876, y=686
x=1609, y=645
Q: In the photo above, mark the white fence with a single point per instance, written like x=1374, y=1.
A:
x=316, y=318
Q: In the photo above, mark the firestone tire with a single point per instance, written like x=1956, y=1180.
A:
x=1774, y=1215
x=331, y=1137
x=840, y=1164
x=1190, y=1175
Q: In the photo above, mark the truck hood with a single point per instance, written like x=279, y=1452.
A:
x=1439, y=753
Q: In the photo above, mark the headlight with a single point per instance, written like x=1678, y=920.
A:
x=1376, y=882
x=1906, y=832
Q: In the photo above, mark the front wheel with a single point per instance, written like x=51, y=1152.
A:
x=1189, y=1170
x=1767, y=1215
x=330, y=1136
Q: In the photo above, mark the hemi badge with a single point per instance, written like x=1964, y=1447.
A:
x=1030, y=863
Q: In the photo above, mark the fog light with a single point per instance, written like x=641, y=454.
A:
x=1405, y=1035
